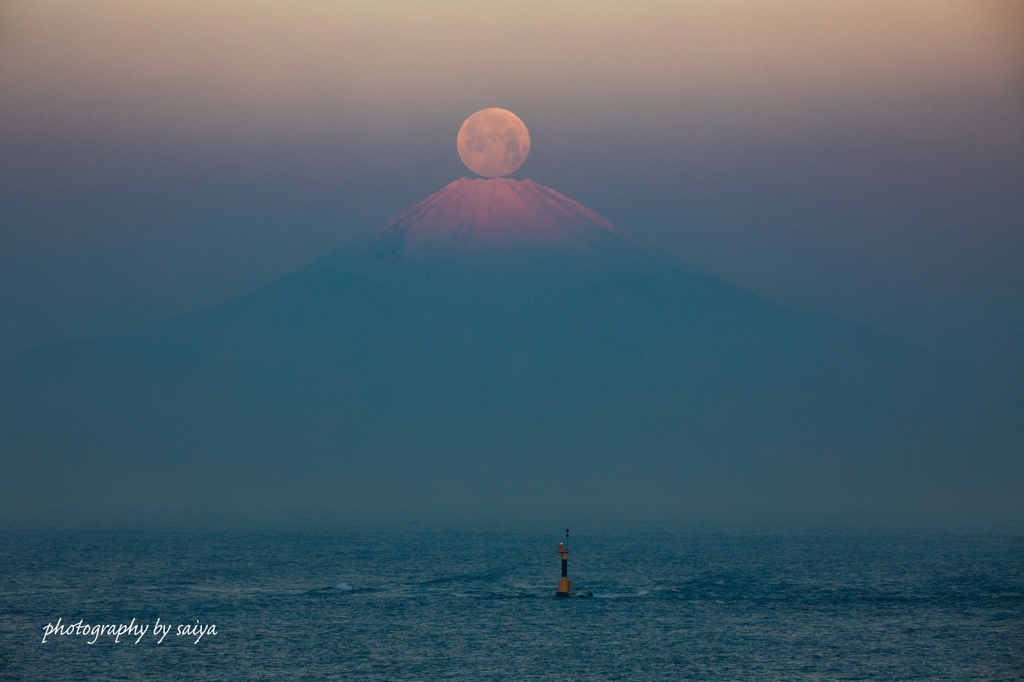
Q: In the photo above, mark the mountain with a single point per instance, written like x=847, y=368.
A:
x=477, y=216
x=498, y=350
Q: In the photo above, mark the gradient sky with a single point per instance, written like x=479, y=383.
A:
x=864, y=159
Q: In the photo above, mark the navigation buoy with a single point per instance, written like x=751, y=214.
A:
x=564, y=584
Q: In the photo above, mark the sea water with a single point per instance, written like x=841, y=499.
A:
x=386, y=604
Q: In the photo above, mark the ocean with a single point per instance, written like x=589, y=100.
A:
x=347, y=603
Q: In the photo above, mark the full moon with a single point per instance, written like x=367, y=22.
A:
x=493, y=143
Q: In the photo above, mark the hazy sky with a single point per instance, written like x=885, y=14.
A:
x=860, y=158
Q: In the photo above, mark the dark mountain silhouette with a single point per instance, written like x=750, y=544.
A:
x=499, y=350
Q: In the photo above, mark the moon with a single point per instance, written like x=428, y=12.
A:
x=493, y=142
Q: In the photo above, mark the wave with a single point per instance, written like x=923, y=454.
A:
x=620, y=595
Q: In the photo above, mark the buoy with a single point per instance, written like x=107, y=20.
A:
x=564, y=584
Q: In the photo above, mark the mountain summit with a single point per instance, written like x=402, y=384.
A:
x=496, y=350
x=474, y=215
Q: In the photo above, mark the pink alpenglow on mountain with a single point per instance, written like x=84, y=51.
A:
x=477, y=215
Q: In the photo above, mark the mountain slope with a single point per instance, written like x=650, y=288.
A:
x=496, y=349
